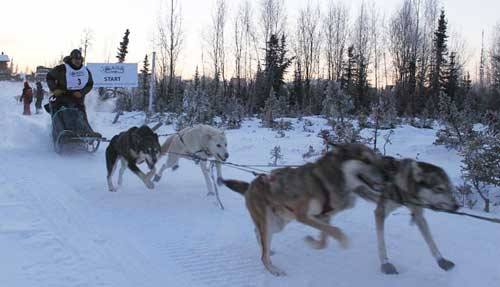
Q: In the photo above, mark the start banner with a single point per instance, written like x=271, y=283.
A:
x=120, y=75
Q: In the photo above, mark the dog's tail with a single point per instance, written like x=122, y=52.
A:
x=111, y=156
x=165, y=147
x=236, y=185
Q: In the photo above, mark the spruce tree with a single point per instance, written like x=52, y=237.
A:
x=355, y=80
x=123, y=49
x=361, y=99
x=124, y=102
x=456, y=127
x=336, y=104
x=481, y=164
x=493, y=101
x=440, y=51
x=297, y=93
x=276, y=63
x=145, y=82
x=196, y=105
x=351, y=82
x=384, y=111
x=271, y=109
x=261, y=91
x=465, y=89
x=495, y=67
x=450, y=79
x=348, y=77
x=196, y=79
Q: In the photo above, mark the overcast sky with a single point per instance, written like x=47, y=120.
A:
x=37, y=32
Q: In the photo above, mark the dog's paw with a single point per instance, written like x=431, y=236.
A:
x=151, y=174
x=275, y=270
x=156, y=178
x=344, y=241
x=220, y=181
x=314, y=243
x=114, y=189
x=446, y=265
x=210, y=193
x=149, y=185
x=389, y=269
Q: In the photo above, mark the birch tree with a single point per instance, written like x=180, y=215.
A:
x=170, y=41
x=308, y=47
x=335, y=31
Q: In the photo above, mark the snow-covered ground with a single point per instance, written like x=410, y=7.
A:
x=60, y=226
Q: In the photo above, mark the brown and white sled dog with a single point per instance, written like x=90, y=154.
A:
x=310, y=194
x=199, y=143
x=416, y=185
x=133, y=147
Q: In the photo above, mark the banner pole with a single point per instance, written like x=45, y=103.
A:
x=152, y=83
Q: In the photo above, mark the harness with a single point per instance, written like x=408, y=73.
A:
x=327, y=208
x=395, y=193
x=195, y=155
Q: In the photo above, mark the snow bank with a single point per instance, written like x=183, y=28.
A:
x=61, y=227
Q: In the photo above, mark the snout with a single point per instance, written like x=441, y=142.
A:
x=151, y=160
x=223, y=157
x=151, y=164
x=446, y=206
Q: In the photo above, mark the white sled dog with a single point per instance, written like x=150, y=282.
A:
x=199, y=143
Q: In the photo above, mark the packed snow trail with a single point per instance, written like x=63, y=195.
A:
x=61, y=227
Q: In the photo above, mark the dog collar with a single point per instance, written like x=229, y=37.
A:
x=205, y=151
x=195, y=154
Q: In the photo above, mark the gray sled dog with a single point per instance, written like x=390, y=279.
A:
x=310, y=194
x=133, y=147
x=416, y=185
x=199, y=143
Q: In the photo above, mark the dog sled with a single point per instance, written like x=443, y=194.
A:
x=71, y=131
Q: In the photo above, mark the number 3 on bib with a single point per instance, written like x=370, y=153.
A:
x=79, y=81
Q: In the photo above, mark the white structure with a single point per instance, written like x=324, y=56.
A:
x=4, y=59
x=4, y=66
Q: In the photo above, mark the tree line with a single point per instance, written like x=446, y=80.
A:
x=408, y=56
x=376, y=69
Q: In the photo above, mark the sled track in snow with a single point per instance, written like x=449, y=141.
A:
x=206, y=265
x=76, y=251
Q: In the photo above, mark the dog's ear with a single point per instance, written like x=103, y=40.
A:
x=332, y=144
x=136, y=140
x=389, y=163
x=145, y=130
x=207, y=137
x=156, y=137
x=368, y=156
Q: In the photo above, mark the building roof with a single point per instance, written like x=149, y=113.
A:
x=4, y=58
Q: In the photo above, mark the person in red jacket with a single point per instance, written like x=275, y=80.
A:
x=27, y=98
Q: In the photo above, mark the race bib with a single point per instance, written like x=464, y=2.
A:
x=76, y=79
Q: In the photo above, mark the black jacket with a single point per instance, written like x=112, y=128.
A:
x=56, y=79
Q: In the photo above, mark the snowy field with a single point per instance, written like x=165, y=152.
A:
x=61, y=227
